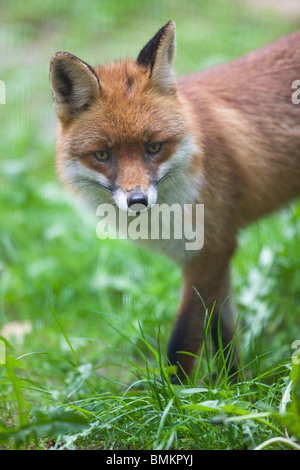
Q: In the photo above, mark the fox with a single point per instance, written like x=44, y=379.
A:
x=228, y=137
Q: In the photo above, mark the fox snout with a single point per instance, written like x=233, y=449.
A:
x=136, y=199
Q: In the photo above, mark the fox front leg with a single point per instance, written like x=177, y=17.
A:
x=204, y=289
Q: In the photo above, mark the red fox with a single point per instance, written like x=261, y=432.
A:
x=227, y=137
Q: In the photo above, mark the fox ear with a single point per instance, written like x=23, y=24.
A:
x=158, y=56
x=74, y=84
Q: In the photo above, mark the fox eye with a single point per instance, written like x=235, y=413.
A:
x=154, y=148
x=101, y=155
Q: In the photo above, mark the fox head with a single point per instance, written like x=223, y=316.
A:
x=123, y=133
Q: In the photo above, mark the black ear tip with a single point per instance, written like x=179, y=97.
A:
x=59, y=54
x=147, y=55
x=59, y=58
x=170, y=24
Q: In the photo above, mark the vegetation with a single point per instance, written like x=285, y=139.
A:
x=90, y=371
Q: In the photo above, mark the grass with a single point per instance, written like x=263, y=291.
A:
x=151, y=413
x=91, y=372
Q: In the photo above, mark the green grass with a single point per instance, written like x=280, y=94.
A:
x=91, y=372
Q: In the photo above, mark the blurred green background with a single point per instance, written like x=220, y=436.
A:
x=103, y=291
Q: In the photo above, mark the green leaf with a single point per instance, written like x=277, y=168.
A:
x=64, y=333
x=291, y=419
x=50, y=423
x=208, y=405
x=192, y=391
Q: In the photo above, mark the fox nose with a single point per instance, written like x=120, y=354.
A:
x=137, y=201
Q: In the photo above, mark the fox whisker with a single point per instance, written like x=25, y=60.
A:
x=171, y=174
x=91, y=182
